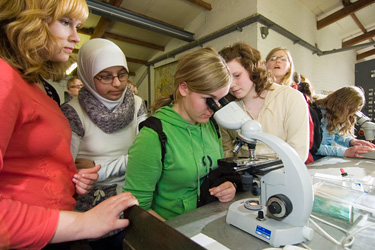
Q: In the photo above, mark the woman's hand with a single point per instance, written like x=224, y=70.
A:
x=107, y=214
x=85, y=179
x=224, y=192
x=98, y=221
x=355, y=151
x=356, y=142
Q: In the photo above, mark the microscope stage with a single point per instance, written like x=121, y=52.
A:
x=261, y=165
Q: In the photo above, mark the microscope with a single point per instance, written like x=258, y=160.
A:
x=367, y=128
x=279, y=212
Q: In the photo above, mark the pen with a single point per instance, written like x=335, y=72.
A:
x=343, y=173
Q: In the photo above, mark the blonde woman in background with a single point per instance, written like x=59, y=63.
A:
x=280, y=62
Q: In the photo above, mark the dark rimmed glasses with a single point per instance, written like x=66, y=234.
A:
x=123, y=77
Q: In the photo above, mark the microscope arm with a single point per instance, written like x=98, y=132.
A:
x=293, y=181
x=368, y=127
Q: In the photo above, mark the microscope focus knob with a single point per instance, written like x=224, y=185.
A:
x=260, y=216
x=255, y=189
x=274, y=208
x=279, y=206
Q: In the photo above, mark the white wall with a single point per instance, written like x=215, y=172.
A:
x=326, y=73
x=223, y=14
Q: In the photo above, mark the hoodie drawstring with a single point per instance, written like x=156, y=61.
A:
x=207, y=166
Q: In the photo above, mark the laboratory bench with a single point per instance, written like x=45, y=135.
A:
x=210, y=219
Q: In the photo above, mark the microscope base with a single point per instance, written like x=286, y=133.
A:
x=276, y=233
x=369, y=155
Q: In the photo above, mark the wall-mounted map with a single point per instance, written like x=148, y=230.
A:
x=164, y=79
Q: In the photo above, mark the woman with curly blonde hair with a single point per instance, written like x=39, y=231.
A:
x=38, y=177
x=280, y=62
x=30, y=38
x=338, y=111
x=282, y=111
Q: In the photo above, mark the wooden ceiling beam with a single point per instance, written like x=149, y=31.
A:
x=129, y=59
x=86, y=31
x=103, y=23
x=134, y=60
x=344, y=12
x=365, y=54
x=89, y=32
x=133, y=41
x=354, y=17
x=358, y=39
x=202, y=4
x=101, y=27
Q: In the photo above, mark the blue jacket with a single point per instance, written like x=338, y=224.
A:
x=326, y=147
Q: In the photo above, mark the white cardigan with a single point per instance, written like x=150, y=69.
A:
x=285, y=115
x=108, y=150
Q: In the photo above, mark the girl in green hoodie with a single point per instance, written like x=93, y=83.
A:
x=172, y=187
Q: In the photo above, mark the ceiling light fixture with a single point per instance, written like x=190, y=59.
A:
x=71, y=68
x=121, y=15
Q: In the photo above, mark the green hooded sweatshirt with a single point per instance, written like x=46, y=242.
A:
x=191, y=150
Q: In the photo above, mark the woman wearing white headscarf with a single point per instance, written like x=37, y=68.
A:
x=104, y=118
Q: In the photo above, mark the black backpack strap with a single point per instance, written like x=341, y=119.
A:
x=319, y=111
x=155, y=124
x=316, y=115
x=216, y=127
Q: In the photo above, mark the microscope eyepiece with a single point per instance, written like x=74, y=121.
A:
x=212, y=104
x=223, y=101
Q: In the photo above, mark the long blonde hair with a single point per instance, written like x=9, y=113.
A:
x=288, y=78
x=350, y=99
x=203, y=70
x=26, y=42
